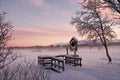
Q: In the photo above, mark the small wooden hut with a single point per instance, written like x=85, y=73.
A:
x=74, y=44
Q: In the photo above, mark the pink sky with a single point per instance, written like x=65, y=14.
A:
x=31, y=36
x=41, y=22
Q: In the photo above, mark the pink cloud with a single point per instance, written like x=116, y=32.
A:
x=74, y=1
x=28, y=32
x=40, y=3
x=70, y=27
x=64, y=13
x=36, y=2
x=39, y=36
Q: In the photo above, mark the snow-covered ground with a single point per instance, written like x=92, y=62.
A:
x=95, y=63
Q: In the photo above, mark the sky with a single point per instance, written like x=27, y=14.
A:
x=40, y=22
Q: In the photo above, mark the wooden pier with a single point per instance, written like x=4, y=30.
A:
x=55, y=63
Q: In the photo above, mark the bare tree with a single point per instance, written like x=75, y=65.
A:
x=6, y=54
x=91, y=22
x=114, y=4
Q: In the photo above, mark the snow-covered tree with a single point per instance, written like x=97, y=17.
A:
x=114, y=4
x=6, y=54
x=91, y=22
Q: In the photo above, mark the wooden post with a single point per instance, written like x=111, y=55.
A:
x=63, y=66
x=67, y=50
x=74, y=52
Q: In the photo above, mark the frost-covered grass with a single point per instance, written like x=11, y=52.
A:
x=95, y=63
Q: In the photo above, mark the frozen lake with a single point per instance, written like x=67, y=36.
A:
x=89, y=55
x=95, y=63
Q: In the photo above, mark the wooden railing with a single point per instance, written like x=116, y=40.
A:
x=74, y=60
x=55, y=63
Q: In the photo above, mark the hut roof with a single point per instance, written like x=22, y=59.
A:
x=74, y=38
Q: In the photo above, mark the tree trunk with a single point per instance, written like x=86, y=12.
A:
x=107, y=53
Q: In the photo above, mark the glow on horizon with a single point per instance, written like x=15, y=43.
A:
x=41, y=37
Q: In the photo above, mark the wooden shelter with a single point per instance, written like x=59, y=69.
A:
x=73, y=44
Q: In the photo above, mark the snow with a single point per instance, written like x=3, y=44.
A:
x=95, y=63
x=74, y=38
